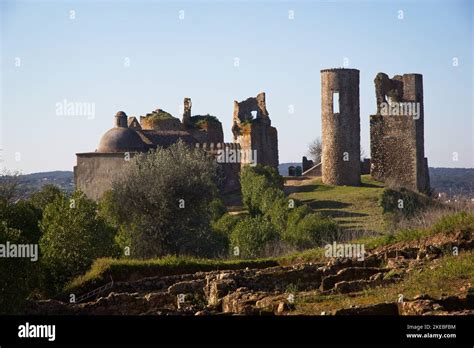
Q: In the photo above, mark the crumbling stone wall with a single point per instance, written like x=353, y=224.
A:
x=160, y=120
x=397, y=136
x=206, y=132
x=209, y=132
x=253, y=131
x=95, y=172
x=340, y=130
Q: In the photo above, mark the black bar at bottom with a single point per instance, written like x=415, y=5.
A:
x=224, y=330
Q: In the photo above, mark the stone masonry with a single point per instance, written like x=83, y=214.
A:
x=340, y=126
x=253, y=131
x=396, y=133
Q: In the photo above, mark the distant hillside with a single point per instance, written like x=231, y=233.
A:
x=30, y=183
x=453, y=181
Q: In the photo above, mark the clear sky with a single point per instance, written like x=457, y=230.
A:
x=137, y=56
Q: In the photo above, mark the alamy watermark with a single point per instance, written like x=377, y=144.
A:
x=392, y=108
x=229, y=155
x=12, y=250
x=345, y=250
x=28, y=330
x=70, y=108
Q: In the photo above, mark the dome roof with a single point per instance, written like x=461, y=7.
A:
x=121, y=139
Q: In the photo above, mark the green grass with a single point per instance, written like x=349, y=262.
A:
x=161, y=115
x=105, y=269
x=355, y=208
x=458, y=222
x=199, y=120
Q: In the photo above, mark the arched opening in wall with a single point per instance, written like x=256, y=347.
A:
x=254, y=114
x=335, y=102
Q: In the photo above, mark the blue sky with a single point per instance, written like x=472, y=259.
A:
x=48, y=57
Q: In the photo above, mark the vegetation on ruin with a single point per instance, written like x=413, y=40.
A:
x=200, y=120
x=159, y=115
x=106, y=269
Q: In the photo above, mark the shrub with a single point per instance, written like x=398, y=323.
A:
x=16, y=274
x=308, y=230
x=217, y=209
x=73, y=236
x=275, y=206
x=403, y=201
x=252, y=235
x=225, y=225
x=164, y=198
x=462, y=222
x=48, y=193
x=254, y=181
x=22, y=216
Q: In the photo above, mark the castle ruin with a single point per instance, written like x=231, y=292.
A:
x=397, y=132
x=252, y=129
x=256, y=142
x=340, y=118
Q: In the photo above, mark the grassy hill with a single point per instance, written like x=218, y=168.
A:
x=356, y=209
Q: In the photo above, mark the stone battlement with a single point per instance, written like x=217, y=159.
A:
x=338, y=69
x=218, y=146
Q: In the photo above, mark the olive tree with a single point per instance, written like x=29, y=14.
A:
x=163, y=199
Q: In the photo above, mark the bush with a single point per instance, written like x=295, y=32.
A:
x=403, y=202
x=462, y=222
x=48, y=193
x=308, y=230
x=73, y=236
x=254, y=181
x=17, y=274
x=252, y=235
x=225, y=225
x=275, y=206
x=163, y=199
x=24, y=217
x=217, y=209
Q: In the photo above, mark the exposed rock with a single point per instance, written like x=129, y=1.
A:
x=243, y=302
x=356, y=285
x=377, y=309
x=417, y=307
x=349, y=274
x=190, y=286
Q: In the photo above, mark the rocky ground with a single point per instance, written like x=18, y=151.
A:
x=274, y=290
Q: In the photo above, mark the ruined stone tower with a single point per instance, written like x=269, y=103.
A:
x=340, y=118
x=253, y=131
x=396, y=132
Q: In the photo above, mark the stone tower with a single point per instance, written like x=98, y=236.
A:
x=397, y=132
x=340, y=118
x=252, y=129
x=187, y=104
